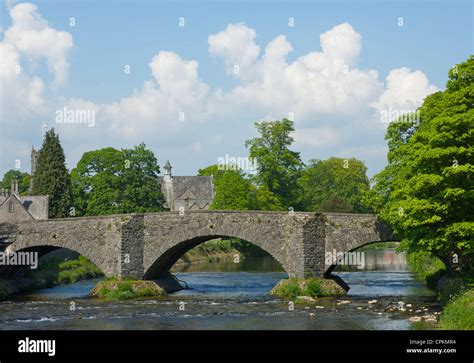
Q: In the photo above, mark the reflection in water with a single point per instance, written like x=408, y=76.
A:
x=382, y=260
x=226, y=296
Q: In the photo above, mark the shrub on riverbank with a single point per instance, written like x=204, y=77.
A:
x=459, y=313
x=223, y=249
x=311, y=287
x=57, y=272
x=455, y=293
x=426, y=267
x=114, y=289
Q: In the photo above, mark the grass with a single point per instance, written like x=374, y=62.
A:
x=458, y=314
x=312, y=287
x=57, y=272
x=455, y=293
x=126, y=289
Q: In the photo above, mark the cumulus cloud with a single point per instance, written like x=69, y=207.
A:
x=236, y=45
x=31, y=35
x=404, y=93
x=315, y=85
x=174, y=96
x=325, y=91
x=317, y=137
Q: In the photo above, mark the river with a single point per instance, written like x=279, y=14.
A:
x=235, y=296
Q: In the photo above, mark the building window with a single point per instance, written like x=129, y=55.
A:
x=11, y=207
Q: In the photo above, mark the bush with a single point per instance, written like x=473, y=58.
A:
x=459, y=313
x=313, y=288
x=290, y=290
x=426, y=267
x=126, y=289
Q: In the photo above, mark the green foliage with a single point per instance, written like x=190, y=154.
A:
x=125, y=289
x=52, y=177
x=278, y=166
x=427, y=192
x=268, y=200
x=232, y=190
x=313, y=288
x=334, y=185
x=459, y=314
x=23, y=181
x=335, y=203
x=290, y=290
x=426, y=267
x=55, y=271
x=109, y=181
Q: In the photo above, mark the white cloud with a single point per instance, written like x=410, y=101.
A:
x=21, y=96
x=174, y=97
x=236, y=45
x=313, y=86
x=325, y=91
x=342, y=43
x=33, y=37
x=405, y=92
x=317, y=137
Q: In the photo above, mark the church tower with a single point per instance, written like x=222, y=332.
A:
x=34, y=161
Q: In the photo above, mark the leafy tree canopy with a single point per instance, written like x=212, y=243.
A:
x=232, y=190
x=109, y=181
x=278, y=166
x=23, y=181
x=334, y=185
x=427, y=192
x=52, y=177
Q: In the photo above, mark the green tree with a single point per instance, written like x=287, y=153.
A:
x=109, y=181
x=23, y=181
x=52, y=177
x=334, y=183
x=427, y=192
x=233, y=191
x=335, y=203
x=141, y=191
x=278, y=166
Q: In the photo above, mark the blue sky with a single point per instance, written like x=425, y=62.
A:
x=220, y=107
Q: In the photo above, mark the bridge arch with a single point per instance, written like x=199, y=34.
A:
x=165, y=243
x=165, y=261
x=44, y=248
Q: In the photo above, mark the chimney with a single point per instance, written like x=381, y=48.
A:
x=167, y=168
x=14, y=188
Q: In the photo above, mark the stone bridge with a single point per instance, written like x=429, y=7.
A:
x=146, y=246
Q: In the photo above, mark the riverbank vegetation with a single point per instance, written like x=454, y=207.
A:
x=49, y=273
x=56, y=272
x=124, y=289
x=302, y=289
x=426, y=192
x=455, y=292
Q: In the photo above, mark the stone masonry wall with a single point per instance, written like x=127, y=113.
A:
x=147, y=245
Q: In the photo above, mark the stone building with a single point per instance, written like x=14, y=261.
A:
x=186, y=192
x=14, y=207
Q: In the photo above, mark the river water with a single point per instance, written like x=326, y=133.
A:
x=235, y=296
